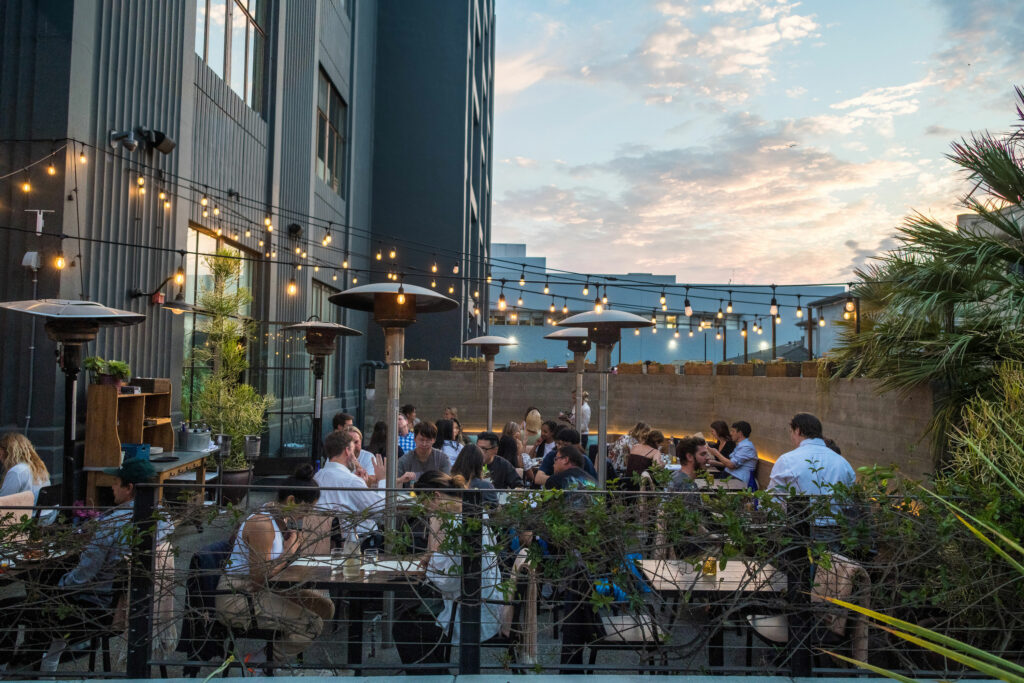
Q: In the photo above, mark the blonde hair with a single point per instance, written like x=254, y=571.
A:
x=18, y=450
x=353, y=429
x=511, y=429
x=640, y=431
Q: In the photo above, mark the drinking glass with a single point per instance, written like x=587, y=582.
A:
x=370, y=556
x=337, y=561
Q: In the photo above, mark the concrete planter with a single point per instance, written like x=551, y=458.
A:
x=744, y=369
x=417, y=365
x=520, y=366
x=669, y=369
x=809, y=368
x=782, y=370
x=587, y=367
x=467, y=365
x=705, y=369
x=759, y=369
x=725, y=369
x=630, y=369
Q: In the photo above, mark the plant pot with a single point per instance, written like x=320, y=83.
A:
x=809, y=368
x=630, y=369
x=724, y=369
x=587, y=367
x=744, y=369
x=467, y=365
x=417, y=365
x=236, y=484
x=110, y=381
x=705, y=369
x=760, y=369
x=782, y=370
x=521, y=366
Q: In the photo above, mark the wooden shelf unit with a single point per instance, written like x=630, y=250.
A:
x=113, y=419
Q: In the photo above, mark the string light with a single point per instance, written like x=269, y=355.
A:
x=514, y=316
x=268, y=223
x=519, y=302
x=379, y=255
x=334, y=276
x=598, y=306
x=344, y=262
x=676, y=334
x=654, y=319
x=59, y=262
x=327, y=235
x=206, y=213
x=81, y=156
x=476, y=293
x=298, y=266
x=26, y=185
x=142, y=191
x=687, y=308
x=663, y=298
x=219, y=231
x=51, y=169
x=451, y=289
x=774, y=308
x=179, y=277
x=522, y=277
x=488, y=276
x=546, y=288
x=204, y=201
x=778, y=319
x=552, y=306
x=298, y=250
x=565, y=306
x=433, y=268
x=586, y=288
x=720, y=315
x=141, y=181
x=849, y=304
x=401, y=295
x=355, y=278
x=293, y=288
x=501, y=298
x=455, y=269
x=433, y=284
x=846, y=315
x=636, y=331
x=728, y=306
x=216, y=210
x=799, y=308
x=392, y=254
x=743, y=332
x=691, y=332
x=604, y=299
x=718, y=333
x=162, y=195
x=248, y=233
x=821, y=321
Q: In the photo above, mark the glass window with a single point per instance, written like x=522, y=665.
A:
x=332, y=119
x=201, y=28
x=216, y=35
x=238, y=47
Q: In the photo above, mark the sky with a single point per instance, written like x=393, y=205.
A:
x=744, y=141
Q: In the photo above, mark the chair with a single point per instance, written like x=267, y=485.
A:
x=49, y=497
x=845, y=580
x=621, y=627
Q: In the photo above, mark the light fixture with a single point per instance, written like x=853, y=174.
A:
x=216, y=210
x=298, y=250
x=81, y=156
x=586, y=288
x=522, y=277
x=654, y=318
x=636, y=331
x=162, y=195
x=433, y=284
x=687, y=308
x=604, y=299
x=846, y=315
x=488, y=276
x=778, y=319
x=392, y=254
x=821, y=321
x=355, y=278
x=849, y=304
x=327, y=235
x=26, y=185
x=334, y=276
x=298, y=266
x=552, y=306
x=546, y=288
x=204, y=200
x=219, y=232
x=248, y=233
x=565, y=306
x=718, y=333
x=305, y=255
x=269, y=223
x=293, y=288
x=379, y=255
x=728, y=306
x=663, y=299
x=59, y=262
x=141, y=181
x=598, y=306
x=51, y=169
x=514, y=316
x=206, y=213
x=743, y=332
x=476, y=294
x=316, y=269
x=433, y=268
x=774, y=308
x=344, y=262
x=142, y=191
x=451, y=289
x=691, y=333
x=654, y=330
x=167, y=204
x=719, y=315
x=455, y=269
x=501, y=298
x=179, y=276
x=401, y=295
x=519, y=302
x=799, y=308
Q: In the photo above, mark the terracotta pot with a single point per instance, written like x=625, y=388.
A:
x=236, y=483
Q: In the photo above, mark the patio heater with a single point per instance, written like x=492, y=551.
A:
x=489, y=346
x=579, y=344
x=603, y=330
x=72, y=324
x=394, y=307
x=320, y=343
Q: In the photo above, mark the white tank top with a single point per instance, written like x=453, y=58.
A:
x=238, y=562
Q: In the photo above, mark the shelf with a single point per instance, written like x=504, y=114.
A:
x=159, y=421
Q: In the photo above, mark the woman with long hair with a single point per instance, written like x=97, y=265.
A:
x=23, y=470
x=620, y=451
x=514, y=431
x=531, y=426
x=379, y=439
x=445, y=440
x=267, y=542
x=643, y=455
x=509, y=449
x=470, y=466
x=426, y=631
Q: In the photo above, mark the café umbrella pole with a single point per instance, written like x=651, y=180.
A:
x=489, y=346
x=603, y=329
x=579, y=344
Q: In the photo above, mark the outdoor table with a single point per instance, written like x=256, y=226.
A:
x=185, y=461
x=678, y=577
x=319, y=572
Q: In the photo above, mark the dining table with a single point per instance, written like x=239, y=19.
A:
x=397, y=576
x=739, y=577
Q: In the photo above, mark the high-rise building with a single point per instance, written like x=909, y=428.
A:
x=175, y=129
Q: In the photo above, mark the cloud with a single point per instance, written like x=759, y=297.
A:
x=521, y=162
x=780, y=211
x=941, y=131
x=798, y=91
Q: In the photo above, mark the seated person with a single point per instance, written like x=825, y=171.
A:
x=427, y=629
x=741, y=463
x=23, y=470
x=423, y=458
x=567, y=436
x=569, y=473
x=470, y=466
x=643, y=455
x=358, y=507
x=502, y=474
x=692, y=453
x=88, y=589
x=445, y=440
x=267, y=542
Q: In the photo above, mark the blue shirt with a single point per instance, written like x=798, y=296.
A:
x=812, y=469
x=406, y=443
x=744, y=457
x=547, y=465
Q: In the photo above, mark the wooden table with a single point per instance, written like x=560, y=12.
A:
x=186, y=462
x=678, y=577
x=368, y=585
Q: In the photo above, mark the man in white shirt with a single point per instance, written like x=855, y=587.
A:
x=358, y=507
x=812, y=468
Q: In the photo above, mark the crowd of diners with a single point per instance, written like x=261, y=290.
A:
x=440, y=463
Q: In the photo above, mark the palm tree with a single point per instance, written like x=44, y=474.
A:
x=946, y=307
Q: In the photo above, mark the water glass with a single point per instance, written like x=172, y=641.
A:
x=370, y=557
x=337, y=561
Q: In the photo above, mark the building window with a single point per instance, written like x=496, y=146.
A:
x=332, y=117
x=231, y=38
x=327, y=312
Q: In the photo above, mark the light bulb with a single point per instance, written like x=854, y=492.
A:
x=219, y=232
x=476, y=293
x=141, y=181
x=514, y=316
x=662, y=298
x=552, y=307
x=728, y=307
x=292, y=287
x=636, y=331
x=664, y=307
x=391, y=254
x=687, y=308
x=51, y=169
x=604, y=299
x=355, y=279
x=206, y=213
x=433, y=284
x=179, y=277
x=821, y=321
x=519, y=302
x=654, y=330
x=501, y=302
x=433, y=268
x=334, y=277
x=298, y=250
x=598, y=306
x=774, y=308
x=586, y=290
x=522, y=280
x=248, y=233
x=451, y=289
x=379, y=255
x=216, y=210
x=304, y=255
x=546, y=288
x=676, y=334
x=849, y=304
x=691, y=333
x=267, y=222
x=142, y=191
x=327, y=238
x=316, y=269
x=401, y=295
x=82, y=158
x=743, y=333
x=204, y=201
x=799, y=312
x=344, y=263
x=298, y=266
x=778, y=320
x=719, y=315
x=846, y=315
x=718, y=335
x=455, y=269
x=565, y=308
x=59, y=261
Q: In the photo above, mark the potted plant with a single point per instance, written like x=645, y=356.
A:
x=780, y=367
x=631, y=368
x=417, y=364
x=744, y=369
x=458, y=363
x=759, y=367
x=524, y=366
x=696, y=367
x=112, y=372
x=726, y=367
x=227, y=404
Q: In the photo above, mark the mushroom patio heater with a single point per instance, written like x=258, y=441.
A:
x=72, y=324
x=394, y=307
x=603, y=330
x=489, y=346
x=579, y=344
x=320, y=343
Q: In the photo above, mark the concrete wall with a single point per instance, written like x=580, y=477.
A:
x=870, y=428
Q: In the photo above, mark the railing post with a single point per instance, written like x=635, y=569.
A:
x=469, y=612
x=140, y=592
x=798, y=582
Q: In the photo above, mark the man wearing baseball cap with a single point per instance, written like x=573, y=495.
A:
x=89, y=586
